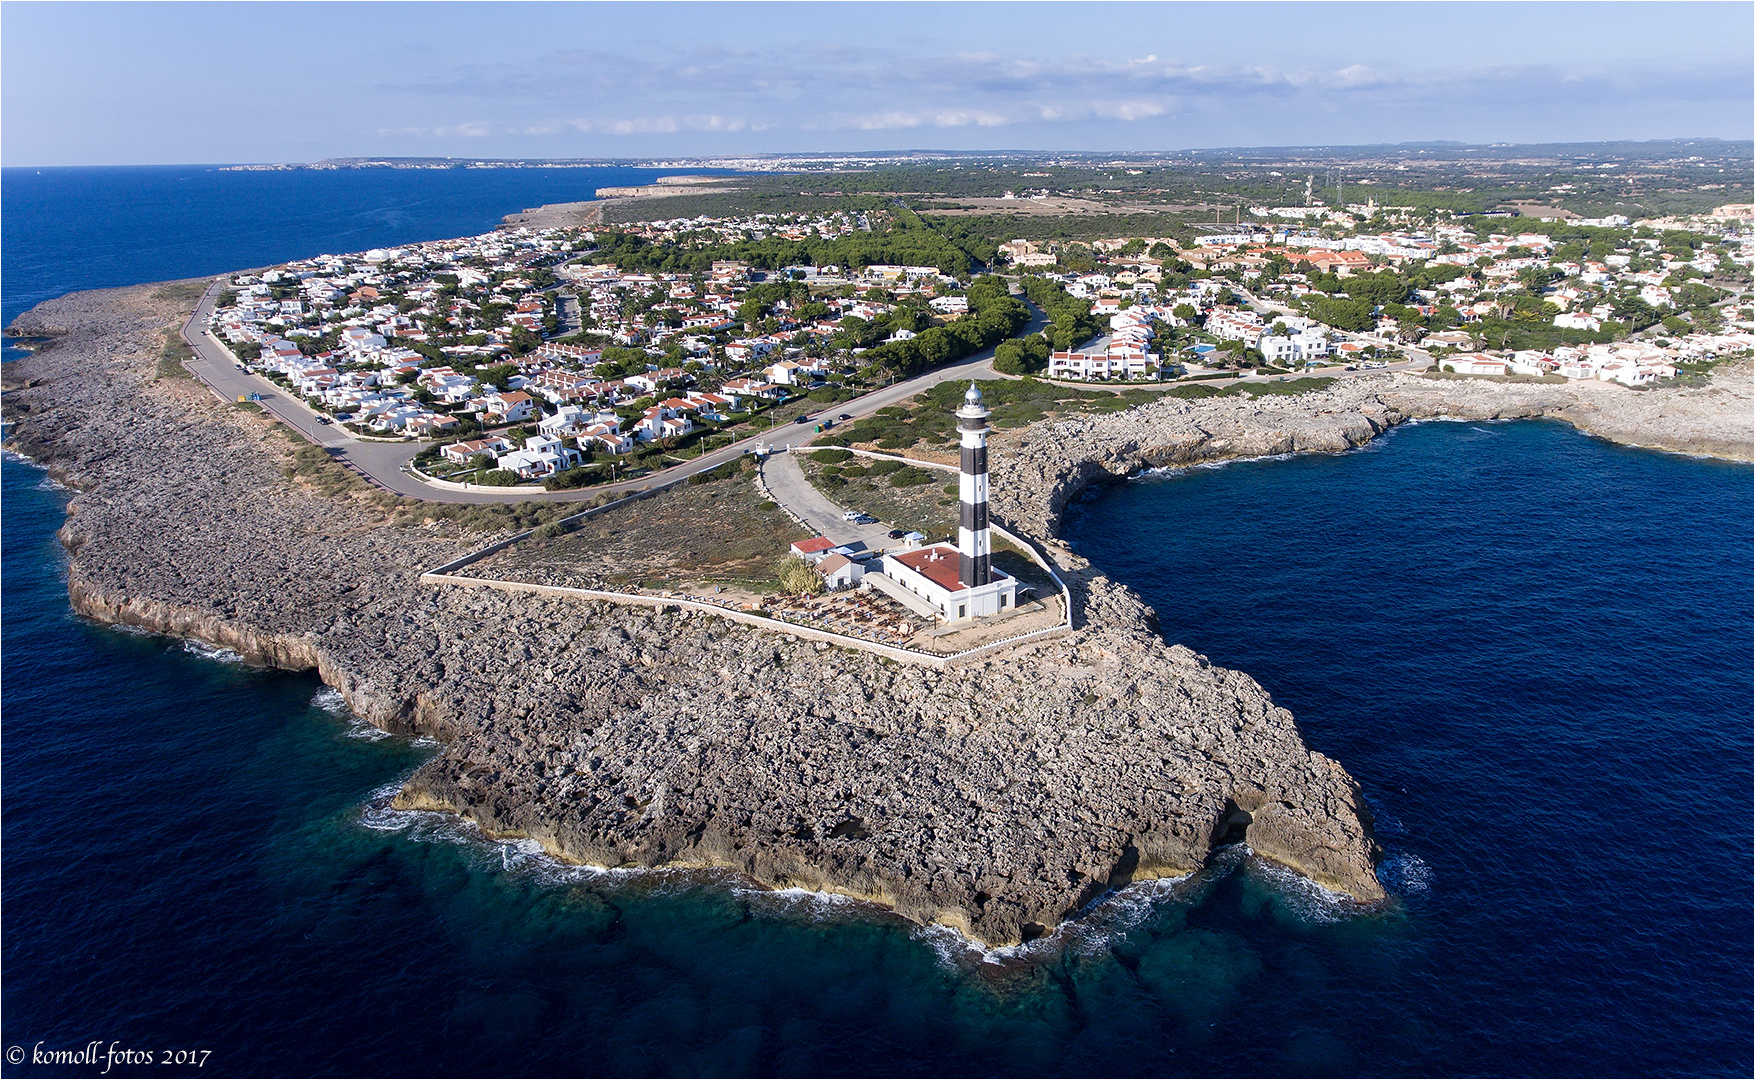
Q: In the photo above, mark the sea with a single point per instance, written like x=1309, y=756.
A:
x=1532, y=649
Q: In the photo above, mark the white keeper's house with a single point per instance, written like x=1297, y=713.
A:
x=960, y=580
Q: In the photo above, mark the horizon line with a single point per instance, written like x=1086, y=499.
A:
x=913, y=152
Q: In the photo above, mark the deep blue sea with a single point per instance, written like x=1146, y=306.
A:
x=1532, y=648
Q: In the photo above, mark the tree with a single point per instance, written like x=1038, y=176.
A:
x=797, y=577
x=1188, y=313
x=499, y=375
x=1021, y=356
x=1383, y=287
x=1354, y=315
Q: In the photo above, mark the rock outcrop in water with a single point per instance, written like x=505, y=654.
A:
x=998, y=799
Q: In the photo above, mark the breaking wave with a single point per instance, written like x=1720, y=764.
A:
x=1405, y=874
x=217, y=653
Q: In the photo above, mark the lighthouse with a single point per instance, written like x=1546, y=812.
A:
x=974, y=542
x=958, y=584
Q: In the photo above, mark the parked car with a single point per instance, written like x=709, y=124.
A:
x=850, y=515
x=324, y=420
x=801, y=420
x=897, y=534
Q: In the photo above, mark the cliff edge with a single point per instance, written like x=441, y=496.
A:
x=998, y=799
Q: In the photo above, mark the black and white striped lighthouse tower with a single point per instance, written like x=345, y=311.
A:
x=974, y=543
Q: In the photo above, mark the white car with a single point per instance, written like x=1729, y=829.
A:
x=851, y=515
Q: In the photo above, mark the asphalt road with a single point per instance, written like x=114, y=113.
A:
x=787, y=484
x=385, y=464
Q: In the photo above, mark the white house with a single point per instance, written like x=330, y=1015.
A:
x=1474, y=364
x=1293, y=348
x=569, y=420
x=460, y=453
x=607, y=436
x=510, y=407
x=840, y=572
x=543, y=455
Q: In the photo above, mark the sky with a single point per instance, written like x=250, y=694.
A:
x=176, y=83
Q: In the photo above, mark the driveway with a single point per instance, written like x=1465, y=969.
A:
x=789, y=488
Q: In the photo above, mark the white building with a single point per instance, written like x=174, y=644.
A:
x=1293, y=348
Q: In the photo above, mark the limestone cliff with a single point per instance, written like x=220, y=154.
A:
x=998, y=798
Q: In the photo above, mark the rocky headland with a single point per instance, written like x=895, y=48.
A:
x=998, y=799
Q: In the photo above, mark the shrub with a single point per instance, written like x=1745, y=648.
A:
x=882, y=467
x=831, y=456
x=911, y=476
x=796, y=576
x=573, y=478
x=498, y=478
x=767, y=504
x=550, y=531
x=719, y=472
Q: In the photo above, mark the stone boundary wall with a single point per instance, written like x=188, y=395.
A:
x=494, y=549
x=661, y=602
x=445, y=575
x=451, y=485
x=910, y=656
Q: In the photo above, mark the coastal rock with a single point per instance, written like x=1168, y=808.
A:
x=999, y=799
x=1039, y=470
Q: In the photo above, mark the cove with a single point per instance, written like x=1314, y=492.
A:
x=1532, y=648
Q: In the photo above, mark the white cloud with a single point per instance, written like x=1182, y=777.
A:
x=825, y=87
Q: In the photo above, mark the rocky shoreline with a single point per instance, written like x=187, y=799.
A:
x=1039, y=470
x=998, y=799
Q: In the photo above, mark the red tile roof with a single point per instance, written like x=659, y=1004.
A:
x=938, y=564
x=813, y=545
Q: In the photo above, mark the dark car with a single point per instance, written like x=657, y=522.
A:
x=897, y=534
x=802, y=420
x=323, y=420
x=845, y=416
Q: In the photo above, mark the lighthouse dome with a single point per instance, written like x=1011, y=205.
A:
x=973, y=397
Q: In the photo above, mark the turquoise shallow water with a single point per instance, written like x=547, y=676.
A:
x=1532, y=649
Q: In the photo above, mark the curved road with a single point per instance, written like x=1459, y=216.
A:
x=385, y=464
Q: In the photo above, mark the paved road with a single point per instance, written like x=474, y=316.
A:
x=386, y=464
x=787, y=484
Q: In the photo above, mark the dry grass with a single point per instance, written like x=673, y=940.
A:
x=717, y=532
